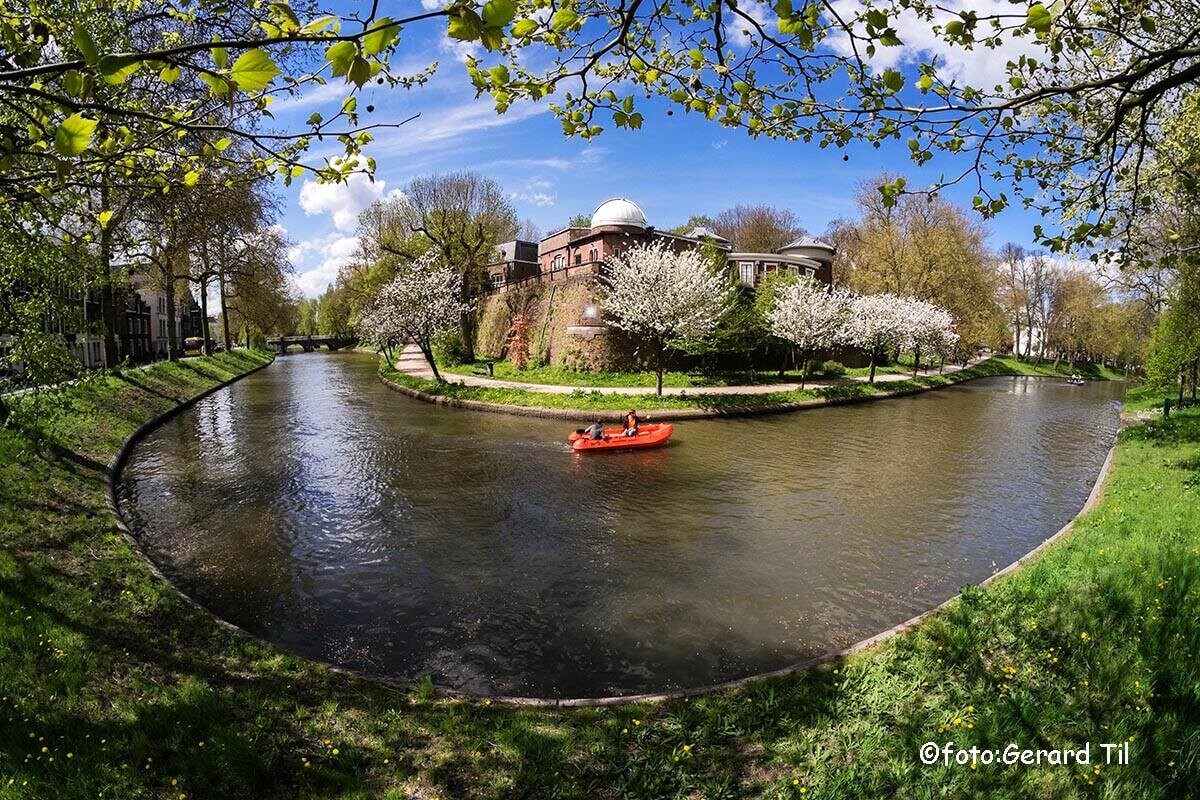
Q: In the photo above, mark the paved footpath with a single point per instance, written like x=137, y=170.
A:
x=413, y=363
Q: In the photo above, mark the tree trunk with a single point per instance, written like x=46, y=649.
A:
x=916, y=360
x=1194, y=369
x=224, y=310
x=204, y=314
x=658, y=367
x=427, y=351
x=874, y=354
x=108, y=305
x=804, y=359
x=1017, y=335
x=172, y=340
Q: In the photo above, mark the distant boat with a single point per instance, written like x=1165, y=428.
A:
x=1075, y=381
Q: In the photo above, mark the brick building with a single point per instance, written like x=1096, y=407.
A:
x=619, y=223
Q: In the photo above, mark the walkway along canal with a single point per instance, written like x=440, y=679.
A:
x=348, y=523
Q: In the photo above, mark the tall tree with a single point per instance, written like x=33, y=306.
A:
x=664, y=298
x=757, y=228
x=465, y=216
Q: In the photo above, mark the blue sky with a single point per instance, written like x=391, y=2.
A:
x=675, y=166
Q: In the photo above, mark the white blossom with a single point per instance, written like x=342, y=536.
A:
x=808, y=314
x=930, y=328
x=419, y=304
x=877, y=322
x=664, y=297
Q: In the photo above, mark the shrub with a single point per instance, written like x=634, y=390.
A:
x=830, y=369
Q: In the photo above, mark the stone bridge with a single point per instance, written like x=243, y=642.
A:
x=280, y=344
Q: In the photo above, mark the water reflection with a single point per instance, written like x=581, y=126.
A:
x=315, y=507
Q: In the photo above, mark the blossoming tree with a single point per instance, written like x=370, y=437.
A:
x=930, y=330
x=876, y=322
x=809, y=316
x=419, y=304
x=664, y=298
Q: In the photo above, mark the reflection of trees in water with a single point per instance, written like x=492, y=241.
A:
x=403, y=538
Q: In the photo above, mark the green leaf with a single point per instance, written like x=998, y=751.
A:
x=104, y=217
x=73, y=82
x=563, y=19
x=359, y=72
x=1039, y=18
x=117, y=69
x=466, y=27
x=954, y=28
x=1148, y=24
x=222, y=144
x=499, y=13
x=319, y=24
x=524, y=27
x=925, y=83
x=893, y=80
x=74, y=134
x=170, y=74
x=340, y=56
x=216, y=84
x=220, y=57
x=87, y=47
x=499, y=75
x=284, y=16
x=191, y=178
x=253, y=71
x=382, y=36
x=315, y=119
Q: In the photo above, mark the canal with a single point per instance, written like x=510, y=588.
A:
x=314, y=507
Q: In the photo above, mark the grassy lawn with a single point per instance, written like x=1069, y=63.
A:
x=585, y=400
x=562, y=376
x=112, y=686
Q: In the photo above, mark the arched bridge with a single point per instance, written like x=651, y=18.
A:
x=280, y=344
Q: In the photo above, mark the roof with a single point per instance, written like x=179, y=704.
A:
x=619, y=211
x=807, y=241
x=701, y=232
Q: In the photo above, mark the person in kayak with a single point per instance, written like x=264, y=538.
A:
x=595, y=431
x=631, y=423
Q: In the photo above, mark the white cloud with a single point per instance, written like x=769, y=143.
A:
x=317, y=261
x=981, y=67
x=438, y=125
x=431, y=5
x=536, y=191
x=342, y=201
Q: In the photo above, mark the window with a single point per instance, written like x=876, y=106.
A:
x=578, y=259
x=746, y=272
x=497, y=280
x=559, y=262
x=592, y=255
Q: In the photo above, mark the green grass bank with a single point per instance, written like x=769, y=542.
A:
x=112, y=686
x=723, y=404
x=564, y=376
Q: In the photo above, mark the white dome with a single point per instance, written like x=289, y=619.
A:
x=619, y=211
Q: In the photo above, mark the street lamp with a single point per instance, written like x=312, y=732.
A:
x=590, y=311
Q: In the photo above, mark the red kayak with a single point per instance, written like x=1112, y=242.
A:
x=615, y=439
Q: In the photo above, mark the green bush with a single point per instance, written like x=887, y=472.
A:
x=830, y=369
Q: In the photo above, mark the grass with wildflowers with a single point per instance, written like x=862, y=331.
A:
x=112, y=686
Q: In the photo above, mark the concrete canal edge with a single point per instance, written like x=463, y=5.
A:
x=119, y=460
x=675, y=414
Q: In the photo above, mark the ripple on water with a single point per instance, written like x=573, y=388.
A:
x=313, y=506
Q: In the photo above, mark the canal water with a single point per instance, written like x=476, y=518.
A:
x=320, y=510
